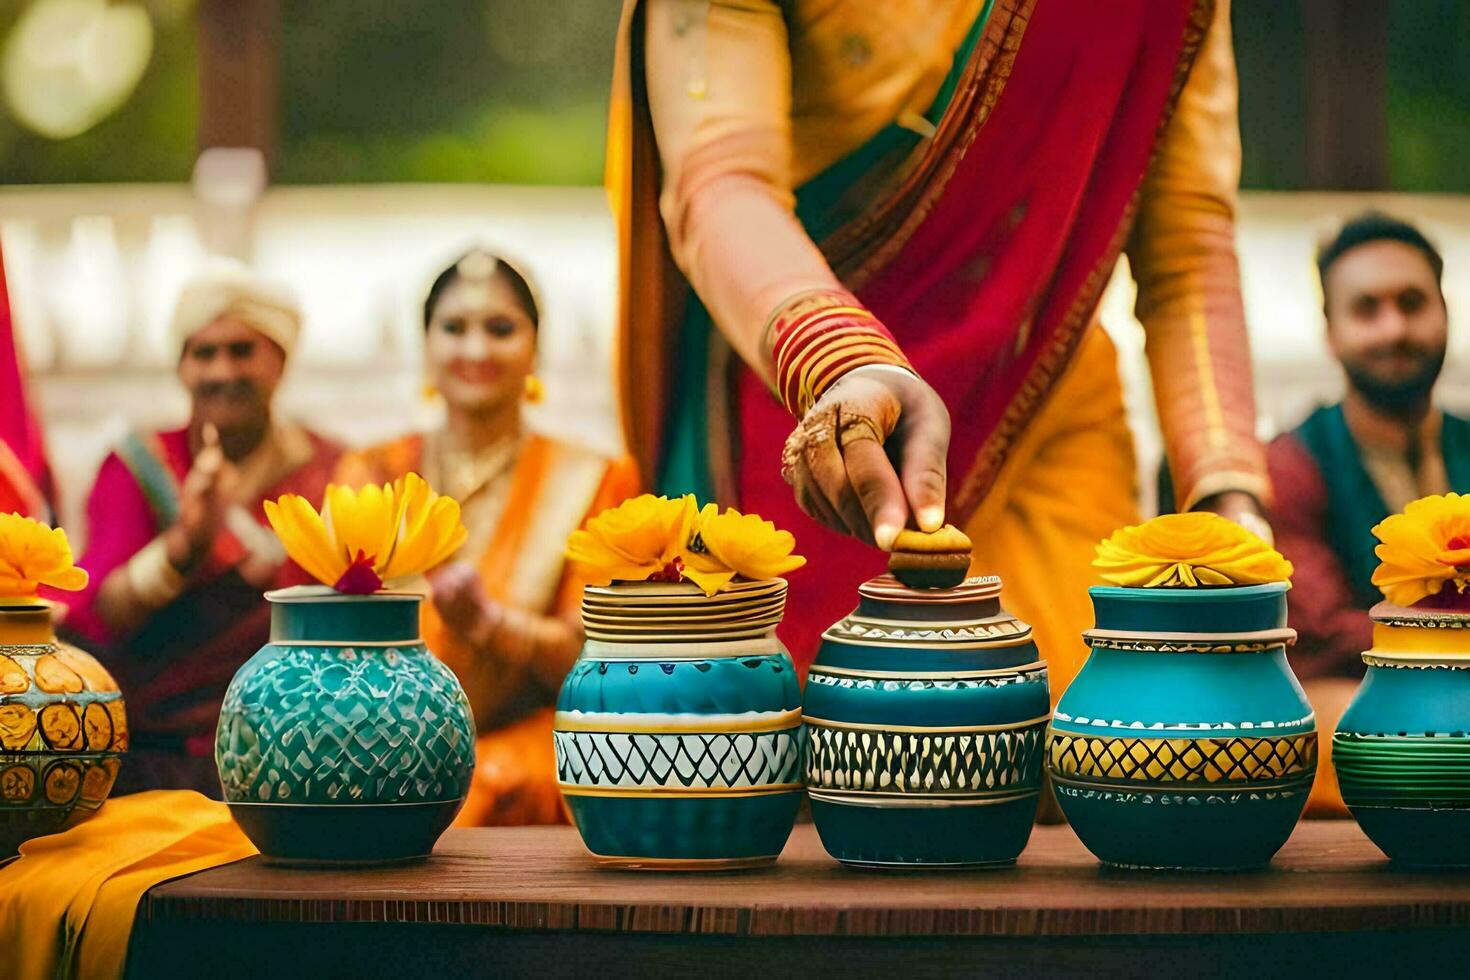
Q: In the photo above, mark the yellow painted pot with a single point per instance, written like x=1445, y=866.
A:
x=63, y=729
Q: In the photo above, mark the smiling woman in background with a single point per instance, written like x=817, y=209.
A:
x=504, y=613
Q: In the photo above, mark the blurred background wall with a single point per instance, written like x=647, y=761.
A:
x=389, y=136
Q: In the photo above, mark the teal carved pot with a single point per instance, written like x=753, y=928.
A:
x=344, y=741
x=1185, y=741
x=925, y=713
x=678, y=731
x=63, y=729
x=1402, y=749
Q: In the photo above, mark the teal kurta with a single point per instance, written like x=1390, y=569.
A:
x=1354, y=505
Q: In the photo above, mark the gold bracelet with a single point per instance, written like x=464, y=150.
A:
x=819, y=336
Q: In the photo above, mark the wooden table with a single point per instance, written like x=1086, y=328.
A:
x=529, y=902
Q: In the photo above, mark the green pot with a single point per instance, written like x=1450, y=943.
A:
x=1402, y=749
x=344, y=741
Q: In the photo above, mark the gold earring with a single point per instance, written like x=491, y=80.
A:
x=535, y=390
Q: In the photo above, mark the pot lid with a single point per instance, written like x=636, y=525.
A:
x=968, y=615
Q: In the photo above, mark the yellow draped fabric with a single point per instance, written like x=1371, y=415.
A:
x=1329, y=697
x=67, y=903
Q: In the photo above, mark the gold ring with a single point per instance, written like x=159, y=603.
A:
x=857, y=428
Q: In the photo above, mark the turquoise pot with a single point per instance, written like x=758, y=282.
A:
x=925, y=714
x=344, y=741
x=678, y=731
x=1402, y=749
x=1185, y=741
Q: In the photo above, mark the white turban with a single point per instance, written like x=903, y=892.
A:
x=225, y=287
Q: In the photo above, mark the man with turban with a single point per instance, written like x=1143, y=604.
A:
x=178, y=550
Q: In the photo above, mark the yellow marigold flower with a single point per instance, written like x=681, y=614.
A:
x=732, y=543
x=33, y=555
x=638, y=540
x=364, y=537
x=1423, y=548
x=1188, y=550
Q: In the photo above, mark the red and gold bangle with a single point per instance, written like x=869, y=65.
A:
x=819, y=336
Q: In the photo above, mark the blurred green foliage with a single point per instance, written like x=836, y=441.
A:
x=1268, y=57
x=1428, y=94
x=516, y=91
x=508, y=91
x=151, y=138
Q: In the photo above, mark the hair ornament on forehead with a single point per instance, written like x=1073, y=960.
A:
x=478, y=266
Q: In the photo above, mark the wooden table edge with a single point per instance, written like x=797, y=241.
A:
x=1372, y=898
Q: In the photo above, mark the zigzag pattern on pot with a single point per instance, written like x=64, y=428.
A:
x=1183, y=760
x=738, y=760
x=345, y=730
x=949, y=763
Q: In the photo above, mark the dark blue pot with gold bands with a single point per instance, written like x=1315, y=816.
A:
x=1402, y=749
x=925, y=714
x=1185, y=741
x=678, y=732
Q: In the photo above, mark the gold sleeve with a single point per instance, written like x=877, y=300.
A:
x=719, y=92
x=1182, y=253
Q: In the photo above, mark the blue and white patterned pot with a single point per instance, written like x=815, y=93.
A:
x=1185, y=741
x=678, y=732
x=344, y=741
x=925, y=714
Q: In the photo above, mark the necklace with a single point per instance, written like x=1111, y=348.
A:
x=463, y=473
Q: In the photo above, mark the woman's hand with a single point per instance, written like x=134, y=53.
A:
x=459, y=596
x=869, y=457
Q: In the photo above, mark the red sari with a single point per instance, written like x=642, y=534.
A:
x=1070, y=158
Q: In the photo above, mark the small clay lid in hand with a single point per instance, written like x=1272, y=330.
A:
x=931, y=560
